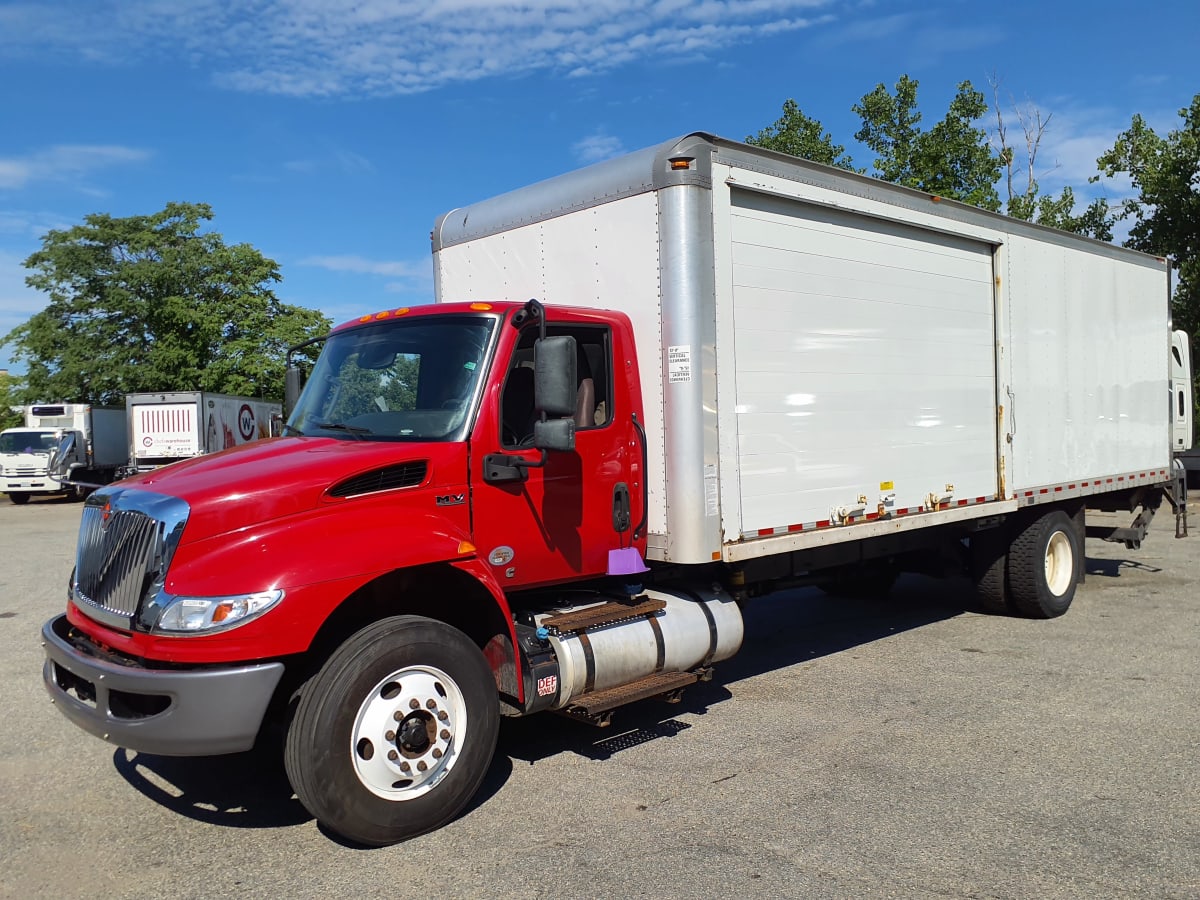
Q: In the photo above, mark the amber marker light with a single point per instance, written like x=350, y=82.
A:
x=480, y=307
x=681, y=163
x=465, y=548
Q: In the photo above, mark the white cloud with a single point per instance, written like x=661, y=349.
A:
x=64, y=162
x=360, y=265
x=597, y=147
x=389, y=47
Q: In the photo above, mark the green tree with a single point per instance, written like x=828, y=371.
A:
x=1029, y=203
x=799, y=135
x=952, y=159
x=152, y=303
x=10, y=388
x=1096, y=220
x=1165, y=172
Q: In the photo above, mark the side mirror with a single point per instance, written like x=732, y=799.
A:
x=554, y=434
x=554, y=384
x=56, y=467
x=293, y=383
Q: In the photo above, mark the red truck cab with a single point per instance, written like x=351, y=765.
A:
x=354, y=576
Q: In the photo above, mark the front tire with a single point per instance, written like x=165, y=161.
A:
x=393, y=736
x=19, y=498
x=1044, y=565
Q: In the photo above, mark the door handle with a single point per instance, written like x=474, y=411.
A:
x=621, y=513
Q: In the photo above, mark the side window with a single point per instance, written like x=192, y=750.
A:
x=517, y=414
x=593, y=365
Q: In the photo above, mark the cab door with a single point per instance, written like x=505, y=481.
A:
x=557, y=522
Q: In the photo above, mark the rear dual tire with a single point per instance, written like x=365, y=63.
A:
x=1043, y=566
x=1035, y=573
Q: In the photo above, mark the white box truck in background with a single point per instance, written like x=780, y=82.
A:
x=166, y=427
x=97, y=450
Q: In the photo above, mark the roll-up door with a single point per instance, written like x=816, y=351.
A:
x=865, y=370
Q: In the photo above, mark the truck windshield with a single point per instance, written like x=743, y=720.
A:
x=27, y=442
x=400, y=380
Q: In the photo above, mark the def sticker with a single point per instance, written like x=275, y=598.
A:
x=547, y=686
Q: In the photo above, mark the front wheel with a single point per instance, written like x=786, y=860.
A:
x=19, y=498
x=393, y=736
x=1043, y=566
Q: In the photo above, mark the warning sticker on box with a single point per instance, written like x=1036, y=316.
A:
x=679, y=364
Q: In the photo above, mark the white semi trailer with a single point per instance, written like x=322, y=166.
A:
x=169, y=426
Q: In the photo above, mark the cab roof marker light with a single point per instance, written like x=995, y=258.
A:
x=480, y=307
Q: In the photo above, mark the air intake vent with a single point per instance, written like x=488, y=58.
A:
x=401, y=476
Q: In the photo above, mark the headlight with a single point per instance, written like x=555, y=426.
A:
x=192, y=615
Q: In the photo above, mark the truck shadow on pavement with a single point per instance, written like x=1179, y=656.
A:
x=781, y=630
x=241, y=790
x=251, y=790
x=245, y=790
x=1112, y=568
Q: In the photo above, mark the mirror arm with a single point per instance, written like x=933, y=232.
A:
x=501, y=467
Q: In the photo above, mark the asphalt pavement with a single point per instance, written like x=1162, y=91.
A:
x=901, y=747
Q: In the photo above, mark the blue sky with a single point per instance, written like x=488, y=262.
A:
x=330, y=134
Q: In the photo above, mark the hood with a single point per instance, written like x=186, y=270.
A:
x=278, y=477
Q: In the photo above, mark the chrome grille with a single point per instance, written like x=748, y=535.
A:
x=126, y=540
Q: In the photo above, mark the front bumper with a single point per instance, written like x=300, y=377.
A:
x=169, y=712
x=41, y=485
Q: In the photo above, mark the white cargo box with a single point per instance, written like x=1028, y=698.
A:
x=820, y=349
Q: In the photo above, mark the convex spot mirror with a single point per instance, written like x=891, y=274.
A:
x=293, y=383
x=554, y=434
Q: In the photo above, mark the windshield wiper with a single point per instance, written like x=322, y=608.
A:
x=342, y=426
x=292, y=429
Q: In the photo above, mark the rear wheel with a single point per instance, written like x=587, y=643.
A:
x=989, y=560
x=1043, y=566
x=393, y=736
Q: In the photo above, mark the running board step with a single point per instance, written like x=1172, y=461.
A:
x=597, y=706
x=604, y=614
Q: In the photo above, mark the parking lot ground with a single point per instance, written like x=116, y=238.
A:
x=907, y=746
